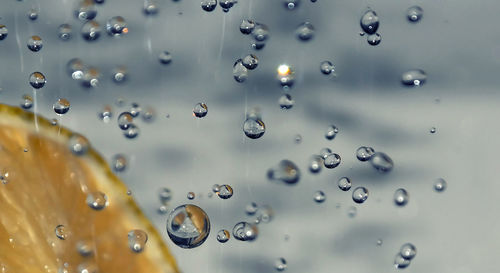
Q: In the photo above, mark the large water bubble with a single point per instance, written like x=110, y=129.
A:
x=188, y=226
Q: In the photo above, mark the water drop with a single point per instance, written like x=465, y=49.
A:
x=332, y=161
x=379, y=242
x=285, y=75
x=280, y=264
x=61, y=232
x=326, y=67
x=382, y=162
x=135, y=109
x=165, y=57
x=165, y=195
x=65, y=32
x=137, y=240
x=400, y=262
x=254, y=128
x=208, y=5
x=297, y=139
x=78, y=144
x=240, y=72
x=223, y=236
x=305, y=31
x=116, y=26
x=37, y=80
x=291, y=4
x=374, y=39
x=149, y=114
x=33, y=14
x=75, y=68
x=286, y=102
x=414, y=14
x=84, y=248
x=3, y=32
x=97, y=200
x=86, y=10
x=260, y=33
x=200, y=110
x=227, y=4
x=150, y=7
x=344, y=183
x=285, y=171
x=258, y=45
x=132, y=131
x=119, y=74
x=331, y=132
x=225, y=191
x=191, y=195
x=247, y=26
x=266, y=214
x=61, y=106
x=251, y=208
x=432, y=130
x=91, y=31
x=27, y=102
x=319, y=197
x=90, y=77
x=359, y=195
x=245, y=231
x=440, y=185
x=119, y=163
x=408, y=251
x=414, y=77
x=215, y=188
x=315, y=164
x=125, y=119
x=250, y=61
x=401, y=197
x=369, y=22
x=35, y=43
x=188, y=226
x=106, y=113
x=364, y=153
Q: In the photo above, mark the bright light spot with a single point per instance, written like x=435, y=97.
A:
x=283, y=70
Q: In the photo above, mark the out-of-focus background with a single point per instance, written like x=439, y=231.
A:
x=456, y=43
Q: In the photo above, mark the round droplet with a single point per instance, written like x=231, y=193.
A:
x=245, y=231
x=280, y=264
x=285, y=75
x=33, y=14
x=37, y=80
x=254, y=128
x=408, y=251
x=400, y=262
x=75, y=68
x=359, y=195
x=106, y=113
x=286, y=102
x=97, y=200
x=78, y=144
x=319, y=197
x=331, y=132
x=132, y=131
x=27, y=102
x=325, y=152
x=327, y=68
x=137, y=240
x=3, y=32
x=225, y=191
x=119, y=163
x=215, y=188
x=332, y=161
x=91, y=31
x=380, y=242
x=369, y=22
x=260, y=33
x=344, y=183
x=65, y=32
x=251, y=208
x=374, y=39
x=315, y=163
x=432, y=130
x=200, y=110
x=364, y=153
x=223, y=236
x=285, y=171
x=191, y=195
x=125, y=119
x=119, y=74
x=61, y=232
x=414, y=14
x=297, y=139
x=86, y=10
x=240, y=72
x=250, y=61
x=116, y=26
x=188, y=226
x=266, y=214
x=291, y=4
x=247, y=26
x=61, y=106
x=381, y=162
x=401, y=197
x=208, y=5
x=305, y=31
x=149, y=114
x=135, y=109
x=227, y=4
x=440, y=185
x=150, y=7
x=165, y=57
x=415, y=77
x=165, y=195
x=35, y=43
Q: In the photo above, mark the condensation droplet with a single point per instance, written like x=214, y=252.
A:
x=286, y=102
x=91, y=31
x=332, y=161
x=191, y=195
x=319, y=197
x=119, y=163
x=374, y=39
x=208, y=5
x=369, y=22
x=78, y=144
x=240, y=72
x=331, y=132
x=280, y=264
x=65, y=32
x=61, y=232
x=247, y=26
x=225, y=191
x=414, y=14
x=165, y=57
x=37, y=80
x=305, y=31
x=27, y=102
x=414, y=77
x=364, y=153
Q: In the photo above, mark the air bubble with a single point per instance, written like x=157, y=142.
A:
x=200, y=110
x=137, y=240
x=37, y=80
x=188, y=226
x=97, y=200
x=305, y=31
x=245, y=231
x=35, y=43
x=359, y=195
x=223, y=236
x=285, y=171
x=401, y=197
x=61, y=106
x=344, y=183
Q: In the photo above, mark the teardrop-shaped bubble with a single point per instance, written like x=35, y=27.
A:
x=315, y=164
x=119, y=163
x=285, y=171
x=78, y=144
x=223, y=236
x=85, y=10
x=188, y=226
x=319, y=197
x=327, y=68
x=305, y=31
x=369, y=22
x=97, y=200
x=400, y=262
x=61, y=232
x=344, y=183
x=125, y=119
x=286, y=75
x=364, y=153
x=208, y=5
x=414, y=77
x=382, y=162
x=260, y=32
x=250, y=61
x=225, y=191
x=359, y=195
x=137, y=240
x=61, y=106
x=401, y=197
x=408, y=251
x=414, y=14
x=91, y=30
x=116, y=26
x=3, y=32
x=150, y=7
x=240, y=72
x=132, y=131
x=374, y=39
x=37, y=80
x=286, y=102
x=280, y=264
x=247, y=26
x=35, y=43
x=440, y=185
x=200, y=110
x=331, y=132
x=27, y=102
x=254, y=128
x=65, y=32
x=332, y=161
x=245, y=231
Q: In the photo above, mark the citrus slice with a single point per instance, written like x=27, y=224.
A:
x=46, y=224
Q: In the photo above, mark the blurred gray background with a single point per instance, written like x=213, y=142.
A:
x=456, y=44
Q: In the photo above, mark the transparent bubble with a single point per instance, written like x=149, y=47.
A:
x=223, y=236
x=188, y=226
x=432, y=130
x=254, y=128
x=408, y=251
x=91, y=31
x=245, y=231
x=90, y=77
x=359, y=195
x=414, y=14
x=332, y=161
x=27, y=102
x=165, y=195
x=208, y=5
x=400, y=262
x=260, y=32
x=352, y=212
x=65, y=32
x=225, y=192
x=150, y=7
x=247, y=26
x=215, y=188
x=344, y=183
x=305, y=31
x=116, y=26
x=33, y=14
x=319, y=197
x=61, y=106
x=315, y=163
x=440, y=185
x=331, y=132
x=132, y=131
x=119, y=163
x=325, y=152
x=137, y=240
x=369, y=22
x=380, y=242
x=414, y=77
x=285, y=171
x=163, y=209
x=265, y=214
x=291, y=4
x=200, y=110
x=286, y=75
x=135, y=109
x=3, y=32
x=250, y=61
x=119, y=74
x=374, y=39
x=87, y=267
x=364, y=153
x=97, y=200
x=240, y=72
x=61, y=232
x=35, y=43
x=258, y=45
x=84, y=248
x=251, y=208
x=78, y=144
x=327, y=68
x=286, y=102
x=149, y=114
x=191, y=195
x=280, y=264
x=227, y=4
x=75, y=68
x=401, y=197
x=86, y=10
x=106, y=113
x=381, y=162
x=37, y=80
x=125, y=119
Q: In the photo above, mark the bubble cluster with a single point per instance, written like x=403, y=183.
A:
x=369, y=23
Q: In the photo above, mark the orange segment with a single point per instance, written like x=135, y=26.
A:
x=46, y=186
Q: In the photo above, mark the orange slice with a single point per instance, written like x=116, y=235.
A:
x=44, y=185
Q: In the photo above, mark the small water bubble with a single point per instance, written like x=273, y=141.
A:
x=364, y=153
x=325, y=152
x=33, y=14
x=352, y=212
x=265, y=214
x=379, y=242
x=401, y=197
x=251, y=208
x=149, y=114
x=414, y=14
x=223, y=236
x=254, y=128
x=291, y=4
x=332, y=161
x=258, y=45
x=61, y=106
x=374, y=39
x=440, y=185
x=208, y=5
x=86, y=10
x=119, y=74
x=191, y=195
x=331, y=132
x=280, y=264
x=245, y=231
x=3, y=32
x=297, y=139
x=285, y=75
x=27, y=102
x=305, y=31
x=315, y=164
x=414, y=77
x=116, y=26
x=165, y=195
x=247, y=26
x=400, y=262
x=61, y=232
x=240, y=72
x=188, y=226
x=319, y=197
x=200, y=110
x=75, y=68
x=327, y=68
x=65, y=32
x=53, y=122
x=165, y=57
x=215, y=188
x=97, y=200
x=87, y=267
x=135, y=109
x=381, y=162
x=150, y=7
x=285, y=171
x=85, y=248
x=432, y=130
x=286, y=102
x=37, y=80
x=132, y=131
x=359, y=195
x=225, y=191
x=106, y=113
x=90, y=77
x=78, y=144
x=35, y=43
x=408, y=251
x=227, y=4
x=119, y=163
x=369, y=22
x=250, y=61
x=137, y=240
x=260, y=32
x=91, y=31
x=125, y=119
x=163, y=209
x=344, y=183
